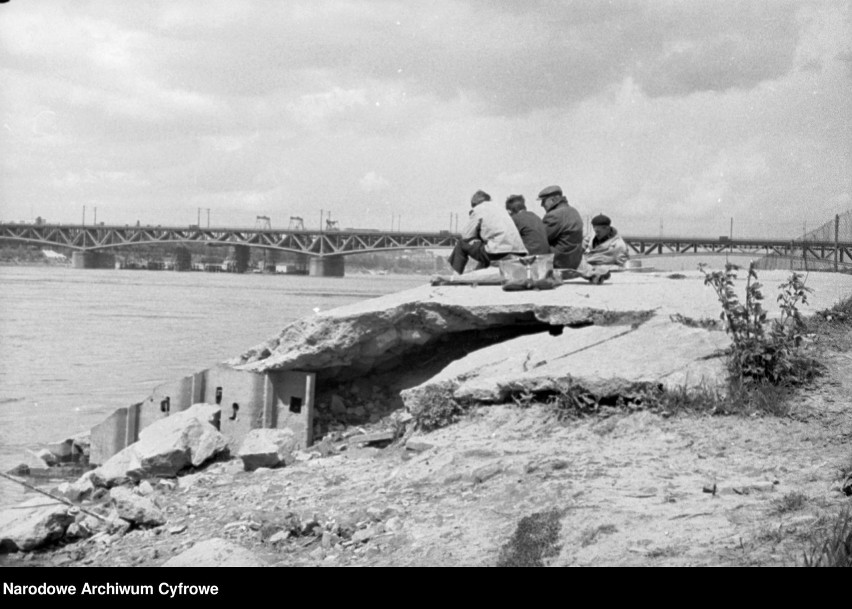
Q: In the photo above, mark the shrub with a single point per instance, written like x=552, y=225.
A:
x=436, y=408
x=763, y=352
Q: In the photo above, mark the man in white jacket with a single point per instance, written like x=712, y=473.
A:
x=490, y=234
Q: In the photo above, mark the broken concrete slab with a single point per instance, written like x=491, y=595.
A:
x=32, y=524
x=604, y=361
x=370, y=332
x=373, y=438
x=137, y=509
x=268, y=448
x=166, y=447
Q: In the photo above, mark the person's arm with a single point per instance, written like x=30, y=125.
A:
x=471, y=229
x=620, y=252
x=551, y=227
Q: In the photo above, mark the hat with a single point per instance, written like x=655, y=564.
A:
x=549, y=192
x=601, y=220
x=479, y=196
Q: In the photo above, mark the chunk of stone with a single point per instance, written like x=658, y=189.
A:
x=268, y=448
x=418, y=446
x=372, y=438
x=182, y=439
x=78, y=490
x=135, y=508
x=32, y=524
x=145, y=488
x=48, y=457
x=165, y=447
x=116, y=470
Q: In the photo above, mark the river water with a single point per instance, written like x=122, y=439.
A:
x=77, y=344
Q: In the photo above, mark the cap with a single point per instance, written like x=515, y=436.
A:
x=601, y=220
x=549, y=192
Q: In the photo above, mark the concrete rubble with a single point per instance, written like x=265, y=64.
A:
x=375, y=361
x=33, y=523
x=185, y=439
x=267, y=448
x=135, y=508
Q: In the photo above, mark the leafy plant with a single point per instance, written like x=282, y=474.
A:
x=763, y=352
x=436, y=408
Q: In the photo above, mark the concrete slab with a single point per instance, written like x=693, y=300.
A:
x=605, y=361
x=368, y=331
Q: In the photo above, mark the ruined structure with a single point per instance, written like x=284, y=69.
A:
x=477, y=343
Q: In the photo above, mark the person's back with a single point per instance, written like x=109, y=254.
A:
x=494, y=226
x=488, y=236
x=564, y=228
x=529, y=226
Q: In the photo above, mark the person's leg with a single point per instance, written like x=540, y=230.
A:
x=476, y=251
x=458, y=258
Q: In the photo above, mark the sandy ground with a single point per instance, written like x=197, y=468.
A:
x=633, y=489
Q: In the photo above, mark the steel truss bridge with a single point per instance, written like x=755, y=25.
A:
x=338, y=243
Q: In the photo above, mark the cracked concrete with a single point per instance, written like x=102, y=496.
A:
x=607, y=339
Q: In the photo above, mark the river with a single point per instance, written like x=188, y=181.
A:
x=77, y=344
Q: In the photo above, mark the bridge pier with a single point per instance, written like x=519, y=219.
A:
x=92, y=260
x=328, y=266
x=242, y=255
x=183, y=259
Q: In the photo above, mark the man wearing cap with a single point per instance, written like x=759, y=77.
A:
x=607, y=246
x=489, y=235
x=529, y=226
x=564, y=228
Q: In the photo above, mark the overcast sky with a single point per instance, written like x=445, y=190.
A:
x=672, y=114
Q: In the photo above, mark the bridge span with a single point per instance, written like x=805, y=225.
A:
x=326, y=249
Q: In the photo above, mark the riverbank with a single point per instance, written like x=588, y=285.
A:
x=626, y=486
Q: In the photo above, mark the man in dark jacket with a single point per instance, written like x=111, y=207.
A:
x=529, y=225
x=564, y=228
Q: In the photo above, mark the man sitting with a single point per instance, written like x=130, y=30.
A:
x=489, y=235
x=606, y=247
x=564, y=228
x=529, y=226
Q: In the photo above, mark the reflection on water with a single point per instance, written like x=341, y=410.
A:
x=75, y=344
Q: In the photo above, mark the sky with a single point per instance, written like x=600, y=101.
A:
x=672, y=117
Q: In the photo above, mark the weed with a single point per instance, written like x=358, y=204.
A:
x=791, y=502
x=689, y=322
x=833, y=549
x=761, y=354
x=534, y=540
x=664, y=552
x=436, y=408
x=524, y=399
x=831, y=326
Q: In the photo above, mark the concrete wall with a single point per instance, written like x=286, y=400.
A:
x=279, y=399
x=178, y=395
x=245, y=389
x=109, y=437
x=293, y=403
